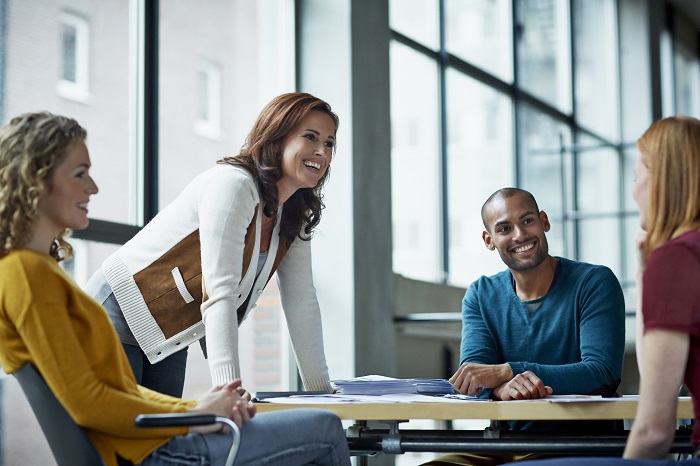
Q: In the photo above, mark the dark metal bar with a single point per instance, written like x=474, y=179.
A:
x=104, y=231
x=445, y=201
x=574, y=159
x=151, y=110
x=655, y=30
x=3, y=71
x=4, y=11
x=517, y=108
x=375, y=440
x=622, y=188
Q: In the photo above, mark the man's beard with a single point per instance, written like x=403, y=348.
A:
x=531, y=262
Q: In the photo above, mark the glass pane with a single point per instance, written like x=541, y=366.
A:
x=668, y=100
x=595, y=251
x=87, y=258
x=69, y=53
x=415, y=155
x=35, y=80
x=203, y=95
x=635, y=68
x=687, y=81
x=556, y=236
x=416, y=19
x=219, y=34
x=631, y=253
x=544, y=168
x=630, y=159
x=220, y=64
x=479, y=161
x=687, y=65
x=544, y=58
x=595, y=36
x=481, y=33
x=597, y=177
x=544, y=147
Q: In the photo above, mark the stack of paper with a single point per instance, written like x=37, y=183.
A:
x=380, y=385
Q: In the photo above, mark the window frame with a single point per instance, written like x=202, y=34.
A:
x=78, y=90
x=210, y=126
x=570, y=217
x=146, y=138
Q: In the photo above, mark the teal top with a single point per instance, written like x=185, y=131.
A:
x=573, y=338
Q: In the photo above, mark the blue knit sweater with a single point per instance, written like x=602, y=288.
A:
x=574, y=341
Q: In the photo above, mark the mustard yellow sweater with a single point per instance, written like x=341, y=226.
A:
x=47, y=320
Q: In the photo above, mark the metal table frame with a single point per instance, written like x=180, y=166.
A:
x=365, y=441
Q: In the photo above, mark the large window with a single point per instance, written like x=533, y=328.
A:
x=415, y=156
x=543, y=38
x=546, y=95
x=164, y=90
x=213, y=81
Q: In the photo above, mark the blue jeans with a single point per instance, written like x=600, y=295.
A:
x=292, y=437
x=166, y=376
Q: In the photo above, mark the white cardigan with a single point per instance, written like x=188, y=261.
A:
x=221, y=204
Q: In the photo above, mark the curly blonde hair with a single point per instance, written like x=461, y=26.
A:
x=31, y=146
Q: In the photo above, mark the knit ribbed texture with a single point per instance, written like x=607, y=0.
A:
x=221, y=203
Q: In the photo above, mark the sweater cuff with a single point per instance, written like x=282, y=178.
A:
x=516, y=367
x=223, y=375
x=318, y=384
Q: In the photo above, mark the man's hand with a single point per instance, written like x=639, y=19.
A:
x=525, y=386
x=470, y=378
x=224, y=400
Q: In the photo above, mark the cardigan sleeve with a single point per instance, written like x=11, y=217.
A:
x=226, y=207
x=303, y=314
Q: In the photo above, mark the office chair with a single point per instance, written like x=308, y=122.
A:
x=68, y=441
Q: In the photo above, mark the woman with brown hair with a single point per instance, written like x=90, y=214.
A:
x=47, y=321
x=202, y=262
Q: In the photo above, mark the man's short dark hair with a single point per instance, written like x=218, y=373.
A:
x=505, y=193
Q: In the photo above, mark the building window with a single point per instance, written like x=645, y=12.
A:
x=208, y=123
x=530, y=94
x=74, y=42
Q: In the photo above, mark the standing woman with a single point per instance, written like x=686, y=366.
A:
x=46, y=320
x=667, y=191
x=202, y=262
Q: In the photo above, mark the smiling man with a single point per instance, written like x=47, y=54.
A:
x=546, y=325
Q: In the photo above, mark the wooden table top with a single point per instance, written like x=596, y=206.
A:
x=495, y=410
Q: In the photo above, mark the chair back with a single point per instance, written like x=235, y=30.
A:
x=69, y=443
